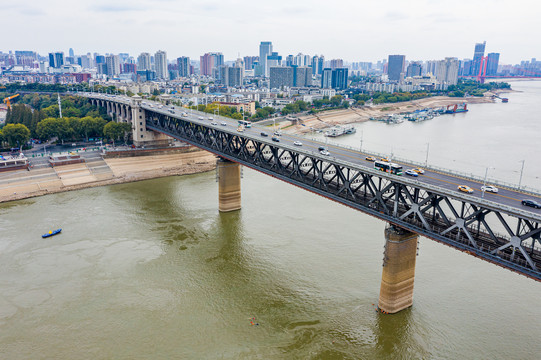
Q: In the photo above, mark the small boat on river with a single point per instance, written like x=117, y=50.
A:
x=51, y=233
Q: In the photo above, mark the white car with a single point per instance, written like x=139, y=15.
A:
x=489, y=188
x=297, y=143
x=214, y=123
x=325, y=152
x=224, y=123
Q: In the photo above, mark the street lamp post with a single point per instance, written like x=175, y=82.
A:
x=521, y=172
x=361, y=148
x=427, y=148
x=485, y=182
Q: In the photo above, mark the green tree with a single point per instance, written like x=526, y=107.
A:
x=113, y=130
x=50, y=128
x=15, y=134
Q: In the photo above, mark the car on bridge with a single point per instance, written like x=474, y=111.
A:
x=489, y=188
x=214, y=123
x=297, y=143
x=274, y=138
x=531, y=203
x=264, y=134
x=386, y=159
x=370, y=158
x=321, y=148
x=465, y=188
x=224, y=123
x=325, y=152
x=411, y=172
x=419, y=171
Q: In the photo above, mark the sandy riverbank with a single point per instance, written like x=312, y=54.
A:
x=364, y=113
x=36, y=182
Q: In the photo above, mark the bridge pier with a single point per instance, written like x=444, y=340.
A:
x=398, y=275
x=228, y=185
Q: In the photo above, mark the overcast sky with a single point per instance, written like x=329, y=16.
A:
x=354, y=30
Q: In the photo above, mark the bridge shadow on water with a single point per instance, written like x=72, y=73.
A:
x=221, y=254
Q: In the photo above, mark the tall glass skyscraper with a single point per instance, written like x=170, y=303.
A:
x=478, y=54
x=265, y=49
x=396, y=66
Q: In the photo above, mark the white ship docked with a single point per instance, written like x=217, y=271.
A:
x=339, y=130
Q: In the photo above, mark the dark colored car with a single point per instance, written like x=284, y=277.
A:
x=321, y=148
x=274, y=138
x=264, y=134
x=531, y=203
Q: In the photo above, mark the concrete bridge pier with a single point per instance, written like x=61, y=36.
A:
x=228, y=185
x=398, y=275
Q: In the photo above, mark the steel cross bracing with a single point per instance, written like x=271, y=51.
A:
x=502, y=237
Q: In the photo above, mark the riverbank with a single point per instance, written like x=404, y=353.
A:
x=364, y=113
x=24, y=184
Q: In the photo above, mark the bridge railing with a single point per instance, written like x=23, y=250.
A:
x=468, y=176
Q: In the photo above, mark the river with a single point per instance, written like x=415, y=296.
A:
x=152, y=270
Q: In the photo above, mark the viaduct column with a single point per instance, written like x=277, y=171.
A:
x=228, y=185
x=396, y=291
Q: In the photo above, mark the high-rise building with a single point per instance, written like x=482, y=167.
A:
x=160, y=63
x=290, y=60
x=447, y=71
x=85, y=61
x=234, y=76
x=466, y=68
x=249, y=62
x=339, y=79
x=265, y=49
x=431, y=67
x=183, y=64
x=337, y=63
x=478, y=54
x=326, y=78
x=492, y=64
x=414, y=69
x=281, y=77
x=129, y=68
x=395, y=69
x=71, y=52
x=315, y=65
x=99, y=59
x=302, y=76
x=143, y=62
x=321, y=64
x=112, y=65
x=56, y=59
x=273, y=60
x=299, y=60
x=123, y=57
x=210, y=62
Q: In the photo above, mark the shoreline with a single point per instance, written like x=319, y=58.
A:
x=361, y=114
x=112, y=171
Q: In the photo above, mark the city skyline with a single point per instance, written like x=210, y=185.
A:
x=428, y=31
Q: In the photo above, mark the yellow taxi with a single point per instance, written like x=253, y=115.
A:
x=465, y=189
x=385, y=159
x=370, y=158
x=419, y=171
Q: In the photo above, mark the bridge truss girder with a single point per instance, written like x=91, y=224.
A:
x=488, y=233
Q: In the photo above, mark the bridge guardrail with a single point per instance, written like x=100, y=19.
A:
x=469, y=176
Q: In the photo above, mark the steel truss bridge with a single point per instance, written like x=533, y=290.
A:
x=509, y=236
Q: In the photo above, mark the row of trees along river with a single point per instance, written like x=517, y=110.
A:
x=38, y=117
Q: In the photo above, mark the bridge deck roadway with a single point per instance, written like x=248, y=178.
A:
x=505, y=196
